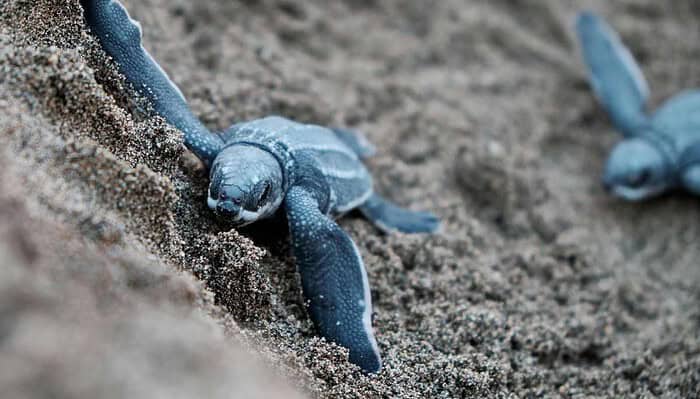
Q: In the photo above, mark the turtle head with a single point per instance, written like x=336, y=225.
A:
x=245, y=184
x=637, y=170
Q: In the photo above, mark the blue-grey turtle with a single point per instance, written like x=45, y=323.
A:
x=256, y=168
x=660, y=150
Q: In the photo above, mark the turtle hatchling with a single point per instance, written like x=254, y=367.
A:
x=660, y=150
x=257, y=168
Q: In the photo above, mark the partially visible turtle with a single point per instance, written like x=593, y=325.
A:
x=256, y=168
x=661, y=150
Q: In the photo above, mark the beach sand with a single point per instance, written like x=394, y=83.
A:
x=119, y=282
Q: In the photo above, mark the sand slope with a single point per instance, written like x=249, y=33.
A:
x=119, y=282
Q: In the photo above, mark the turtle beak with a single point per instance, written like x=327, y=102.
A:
x=228, y=209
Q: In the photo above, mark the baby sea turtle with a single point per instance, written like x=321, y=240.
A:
x=256, y=168
x=660, y=151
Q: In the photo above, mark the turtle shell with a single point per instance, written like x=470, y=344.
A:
x=347, y=178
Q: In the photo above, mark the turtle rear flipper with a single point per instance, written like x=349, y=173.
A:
x=356, y=141
x=614, y=74
x=120, y=37
x=390, y=218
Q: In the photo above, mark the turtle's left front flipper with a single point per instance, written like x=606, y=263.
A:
x=333, y=279
x=120, y=37
x=615, y=76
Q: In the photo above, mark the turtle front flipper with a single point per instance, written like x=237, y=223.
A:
x=333, y=278
x=614, y=74
x=120, y=37
x=389, y=217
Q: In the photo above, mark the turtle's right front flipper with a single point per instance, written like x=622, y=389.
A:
x=333, y=279
x=615, y=76
x=120, y=37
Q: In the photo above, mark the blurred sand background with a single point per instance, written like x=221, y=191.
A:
x=118, y=282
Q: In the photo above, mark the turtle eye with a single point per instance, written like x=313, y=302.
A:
x=639, y=179
x=265, y=193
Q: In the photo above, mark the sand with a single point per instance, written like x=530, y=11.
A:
x=118, y=282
